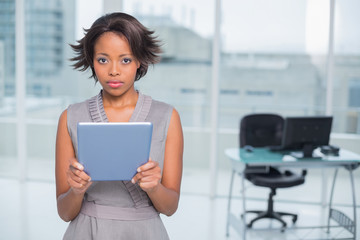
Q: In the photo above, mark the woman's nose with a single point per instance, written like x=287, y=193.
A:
x=114, y=70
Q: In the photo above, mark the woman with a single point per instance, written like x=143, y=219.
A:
x=118, y=50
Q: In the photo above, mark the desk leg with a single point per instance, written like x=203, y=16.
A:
x=354, y=199
x=324, y=187
x=243, y=203
x=338, y=216
x=331, y=198
x=229, y=203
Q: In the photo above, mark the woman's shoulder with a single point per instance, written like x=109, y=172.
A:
x=77, y=105
x=83, y=105
x=159, y=110
x=161, y=106
x=79, y=110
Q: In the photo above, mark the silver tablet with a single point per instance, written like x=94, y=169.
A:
x=113, y=151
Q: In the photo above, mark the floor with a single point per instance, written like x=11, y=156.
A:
x=28, y=210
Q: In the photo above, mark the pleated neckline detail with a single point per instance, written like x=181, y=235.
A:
x=97, y=111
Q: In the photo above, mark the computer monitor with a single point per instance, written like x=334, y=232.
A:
x=304, y=134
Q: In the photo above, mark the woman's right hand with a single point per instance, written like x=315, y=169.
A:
x=77, y=179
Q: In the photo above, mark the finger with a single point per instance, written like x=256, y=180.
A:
x=78, y=182
x=136, y=178
x=74, y=184
x=150, y=178
x=150, y=164
x=139, y=176
x=87, y=185
x=80, y=173
x=153, y=172
x=74, y=170
x=75, y=163
x=78, y=176
x=84, y=176
x=150, y=168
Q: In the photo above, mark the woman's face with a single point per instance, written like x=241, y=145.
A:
x=115, y=66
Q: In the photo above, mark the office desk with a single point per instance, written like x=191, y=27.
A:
x=261, y=159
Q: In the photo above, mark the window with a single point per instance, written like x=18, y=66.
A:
x=8, y=138
x=346, y=69
x=269, y=58
x=272, y=59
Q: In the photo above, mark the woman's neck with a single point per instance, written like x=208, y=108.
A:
x=127, y=99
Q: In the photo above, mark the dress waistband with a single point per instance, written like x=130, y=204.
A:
x=117, y=213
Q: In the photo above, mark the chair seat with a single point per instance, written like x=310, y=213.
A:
x=276, y=179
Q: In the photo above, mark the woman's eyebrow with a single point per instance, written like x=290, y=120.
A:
x=101, y=53
x=121, y=55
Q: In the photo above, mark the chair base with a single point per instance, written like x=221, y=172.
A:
x=270, y=213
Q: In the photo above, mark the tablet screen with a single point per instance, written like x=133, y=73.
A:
x=113, y=151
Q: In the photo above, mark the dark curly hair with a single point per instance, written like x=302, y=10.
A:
x=144, y=46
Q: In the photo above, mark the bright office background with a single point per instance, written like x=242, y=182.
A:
x=222, y=59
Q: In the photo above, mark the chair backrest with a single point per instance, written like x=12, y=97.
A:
x=261, y=130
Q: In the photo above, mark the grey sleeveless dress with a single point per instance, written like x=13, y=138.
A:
x=119, y=209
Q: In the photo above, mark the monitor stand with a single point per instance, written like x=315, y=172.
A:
x=307, y=152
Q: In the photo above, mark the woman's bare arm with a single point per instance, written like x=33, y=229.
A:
x=164, y=191
x=71, y=180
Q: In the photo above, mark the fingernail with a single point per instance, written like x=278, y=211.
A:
x=89, y=180
x=133, y=181
x=138, y=170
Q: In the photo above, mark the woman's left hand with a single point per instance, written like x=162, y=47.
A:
x=148, y=176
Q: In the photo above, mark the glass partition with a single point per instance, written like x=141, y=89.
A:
x=346, y=69
x=8, y=137
x=183, y=77
x=52, y=83
x=274, y=60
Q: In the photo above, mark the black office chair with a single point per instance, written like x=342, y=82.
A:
x=262, y=130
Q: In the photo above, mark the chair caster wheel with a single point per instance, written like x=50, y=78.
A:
x=294, y=219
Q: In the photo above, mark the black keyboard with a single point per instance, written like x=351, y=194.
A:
x=276, y=148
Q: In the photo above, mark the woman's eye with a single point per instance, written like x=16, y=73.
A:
x=126, y=60
x=102, y=60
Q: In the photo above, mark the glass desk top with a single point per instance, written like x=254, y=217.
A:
x=264, y=156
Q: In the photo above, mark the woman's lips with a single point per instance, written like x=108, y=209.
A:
x=115, y=84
